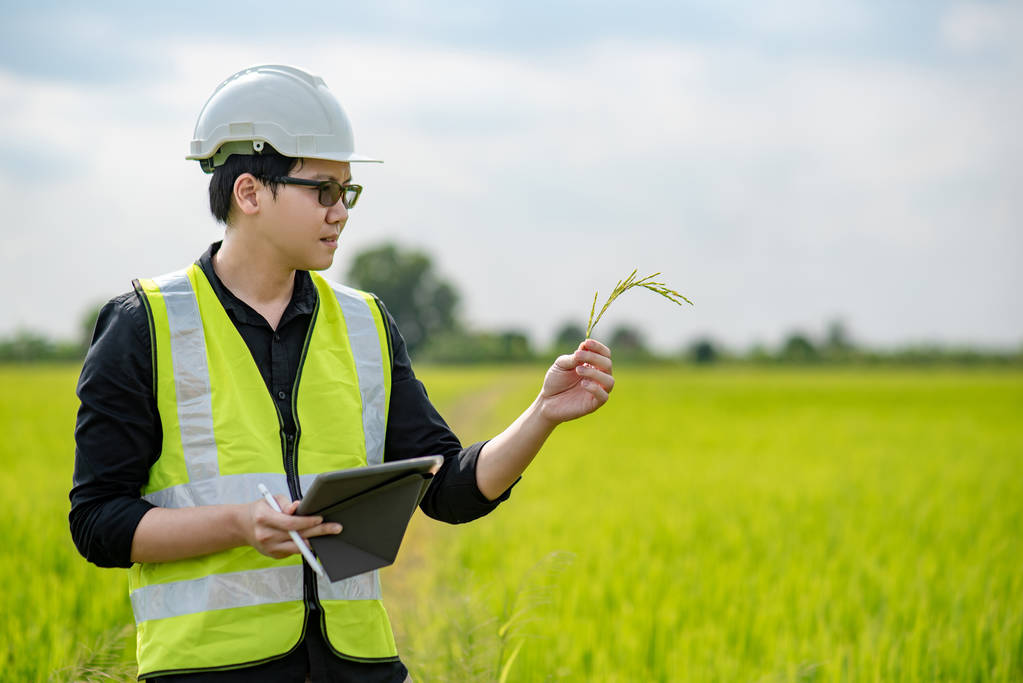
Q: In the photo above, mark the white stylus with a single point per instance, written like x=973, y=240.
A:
x=306, y=551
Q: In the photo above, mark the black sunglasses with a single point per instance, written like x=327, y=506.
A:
x=330, y=190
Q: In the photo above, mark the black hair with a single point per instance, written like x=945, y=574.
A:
x=264, y=167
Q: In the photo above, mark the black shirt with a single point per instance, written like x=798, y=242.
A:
x=119, y=436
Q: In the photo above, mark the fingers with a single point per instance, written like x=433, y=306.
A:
x=594, y=376
x=281, y=545
x=287, y=520
x=590, y=362
x=595, y=367
x=324, y=529
x=599, y=391
x=595, y=359
x=590, y=351
x=566, y=362
x=595, y=346
x=269, y=532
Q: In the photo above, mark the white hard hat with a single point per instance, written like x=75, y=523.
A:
x=282, y=106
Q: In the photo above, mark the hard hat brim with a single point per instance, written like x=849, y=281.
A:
x=353, y=158
x=210, y=162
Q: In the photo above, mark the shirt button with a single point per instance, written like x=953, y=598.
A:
x=291, y=437
x=277, y=337
x=281, y=395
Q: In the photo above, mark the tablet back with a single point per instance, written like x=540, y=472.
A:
x=374, y=523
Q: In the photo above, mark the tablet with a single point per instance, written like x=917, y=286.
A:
x=331, y=488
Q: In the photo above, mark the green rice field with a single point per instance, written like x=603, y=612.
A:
x=731, y=524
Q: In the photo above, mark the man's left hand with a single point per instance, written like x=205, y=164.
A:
x=578, y=383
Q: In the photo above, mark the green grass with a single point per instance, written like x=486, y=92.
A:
x=752, y=526
x=748, y=525
x=61, y=615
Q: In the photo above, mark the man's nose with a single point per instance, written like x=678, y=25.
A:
x=337, y=213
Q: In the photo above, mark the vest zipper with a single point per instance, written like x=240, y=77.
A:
x=309, y=592
x=291, y=463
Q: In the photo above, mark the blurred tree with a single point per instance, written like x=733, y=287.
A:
x=627, y=340
x=514, y=345
x=460, y=346
x=798, y=348
x=26, y=345
x=568, y=336
x=837, y=337
x=86, y=328
x=405, y=280
x=703, y=351
x=758, y=353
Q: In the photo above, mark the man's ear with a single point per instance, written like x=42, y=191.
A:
x=245, y=194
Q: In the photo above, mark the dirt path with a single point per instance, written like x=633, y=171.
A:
x=468, y=415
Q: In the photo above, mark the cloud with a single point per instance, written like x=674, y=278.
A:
x=772, y=189
x=981, y=27
x=793, y=17
x=65, y=43
x=112, y=42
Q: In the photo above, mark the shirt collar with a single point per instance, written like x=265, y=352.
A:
x=303, y=296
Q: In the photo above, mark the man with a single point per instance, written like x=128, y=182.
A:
x=248, y=365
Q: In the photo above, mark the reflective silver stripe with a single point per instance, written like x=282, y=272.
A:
x=243, y=589
x=305, y=481
x=230, y=488
x=365, y=341
x=217, y=591
x=362, y=587
x=191, y=375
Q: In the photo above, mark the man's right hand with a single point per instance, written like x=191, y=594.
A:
x=169, y=534
x=266, y=530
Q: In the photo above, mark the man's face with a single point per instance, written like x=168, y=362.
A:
x=302, y=232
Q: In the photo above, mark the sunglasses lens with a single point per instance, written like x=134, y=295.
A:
x=330, y=192
x=351, y=195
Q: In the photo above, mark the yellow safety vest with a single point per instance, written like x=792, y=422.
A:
x=222, y=437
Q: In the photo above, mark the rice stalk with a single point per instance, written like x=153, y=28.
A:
x=625, y=285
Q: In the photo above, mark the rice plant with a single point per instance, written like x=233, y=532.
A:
x=625, y=285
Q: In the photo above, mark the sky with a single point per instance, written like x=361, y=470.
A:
x=783, y=164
